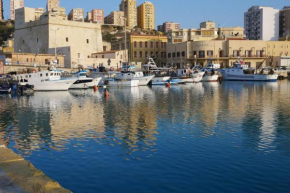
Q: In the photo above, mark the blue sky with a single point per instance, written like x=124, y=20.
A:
x=189, y=13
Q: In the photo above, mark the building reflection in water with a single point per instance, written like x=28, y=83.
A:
x=134, y=118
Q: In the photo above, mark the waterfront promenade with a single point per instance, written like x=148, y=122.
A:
x=20, y=176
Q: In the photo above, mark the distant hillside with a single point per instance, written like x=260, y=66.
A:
x=6, y=29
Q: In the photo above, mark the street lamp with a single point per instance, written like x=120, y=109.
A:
x=55, y=30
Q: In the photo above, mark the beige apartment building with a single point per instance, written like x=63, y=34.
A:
x=54, y=33
x=115, y=18
x=52, y=4
x=15, y=4
x=76, y=14
x=168, y=26
x=146, y=16
x=207, y=31
x=284, y=24
x=1, y=10
x=226, y=52
x=98, y=16
x=129, y=7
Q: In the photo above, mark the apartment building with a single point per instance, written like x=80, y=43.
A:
x=146, y=16
x=284, y=23
x=168, y=26
x=15, y=4
x=76, y=14
x=207, y=31
x=262, y=23
x=98, y=16
x=52, y=4
x=1, y=10
x=226, y=52
x=89, y=17
x=115, y=18
x=129, y=7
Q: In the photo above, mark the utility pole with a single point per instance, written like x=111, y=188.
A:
x=55, y=43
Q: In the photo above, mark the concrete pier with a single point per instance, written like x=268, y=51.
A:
x=20, y=176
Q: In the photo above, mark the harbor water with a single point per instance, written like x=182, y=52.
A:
x=205, y=137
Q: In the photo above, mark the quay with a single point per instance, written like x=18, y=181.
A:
x=20, y=176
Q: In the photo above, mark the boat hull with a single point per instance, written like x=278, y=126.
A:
x=5, y=91
x=213, y=78
x=60, y=85
x=144, y=81
x=86, y=83
x=160, y=80
x=250, y=77
x=123, y=83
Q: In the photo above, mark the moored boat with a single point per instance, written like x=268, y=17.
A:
x=84, y=82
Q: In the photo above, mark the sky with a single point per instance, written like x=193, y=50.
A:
x=189, y=13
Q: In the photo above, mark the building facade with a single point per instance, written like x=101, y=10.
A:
x=129, y=7
x=207, y=31
x=262, y=23
x=52, y=4
x=89, y=17
x=169, y=26
x=115, y=18
x=284, y=25
x=15, y=4
x=53, y=33
x=1, y=10
x=76, y=14
x=146, y=16
x=98, y=16
x=226, y=52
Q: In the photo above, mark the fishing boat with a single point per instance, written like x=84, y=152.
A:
x=210, y=72
x=241, y=72
x=132, y=75
x=187, y=76
x=112, y=82
x=84, y=82
x=49, y=80
x=5, y=90
x=161, y=75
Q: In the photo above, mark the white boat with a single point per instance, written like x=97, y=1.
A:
x=240, y=73
x=210, y=78
x=84, y=82
x=122, y=83
x=132, y=75
x=160, y=80
x=46, y=80
x=188, y=76
x=210, y=72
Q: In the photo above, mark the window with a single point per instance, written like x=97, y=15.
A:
x=46, y=74
x=173, y=55
x=140, y=44
x=157, y=54
x=201, y=54
x=27, y=60
x=135, y=44
x=23, y=41
x=161, y=54
x=151, y=54
x=40, y=75
x=135, y=54
x=183, y=54
x=157, y=44
x=66, y=39
x=210, y=53
x=146, y=54
x=140, y=55
x=178, y=54
x=51, y=74
x=151, y=44
x=88, y=41
x=236, y=53
x=146, y=44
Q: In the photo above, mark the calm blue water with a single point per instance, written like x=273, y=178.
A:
x=233, y=137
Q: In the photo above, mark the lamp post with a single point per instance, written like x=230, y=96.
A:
x=55, y=30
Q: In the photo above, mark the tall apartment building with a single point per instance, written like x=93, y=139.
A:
x=284, y=25
x=15, y=4
x=146, y=15
x=262, y=23
x=1, y=10
x=115, y=18
x=89, y=17
x=98, y=16
x=130, y=11
x=168, y=26
x=52, y=4
x=76, y=14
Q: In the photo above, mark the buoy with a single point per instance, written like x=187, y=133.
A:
x=96, y=88
x=107, y=94
x=167, y=84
